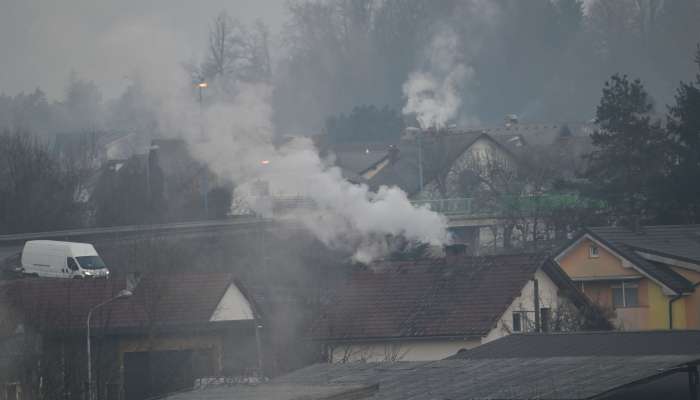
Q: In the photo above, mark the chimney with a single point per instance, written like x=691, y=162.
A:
x=455, y=253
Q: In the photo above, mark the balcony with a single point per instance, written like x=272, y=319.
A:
x=508, y=205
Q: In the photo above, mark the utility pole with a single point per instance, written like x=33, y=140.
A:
x=536, y=302
x=420, y=161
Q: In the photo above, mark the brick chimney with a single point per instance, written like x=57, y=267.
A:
x=455, y=253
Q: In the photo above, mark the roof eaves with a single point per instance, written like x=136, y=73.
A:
x=664, y=254
x=637, y=262
x=364, y=339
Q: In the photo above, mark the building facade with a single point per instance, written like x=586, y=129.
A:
x=646, y=279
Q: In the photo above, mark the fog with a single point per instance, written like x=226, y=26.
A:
x=272, y=70
x=43, y=40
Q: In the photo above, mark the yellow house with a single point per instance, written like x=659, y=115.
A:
x=647, y=277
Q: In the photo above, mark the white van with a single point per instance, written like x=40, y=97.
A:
x=54, y=259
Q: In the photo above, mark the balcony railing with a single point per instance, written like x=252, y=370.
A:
x=505, y=205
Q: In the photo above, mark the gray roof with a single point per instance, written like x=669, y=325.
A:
x=358, y=161
x=494, y=378
x=681, y=242
x=542, y=366
x=608, y=343
x=439, y=153
x=541, y=133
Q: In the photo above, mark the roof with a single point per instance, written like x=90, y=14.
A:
x=523, y=366
x=544, y=133
x=426, y=298
x=654, y=270
x=359, y=159
x=439, y=151
x=599, y=344
x=495, y=378
x=675, y=241
x=174, y=299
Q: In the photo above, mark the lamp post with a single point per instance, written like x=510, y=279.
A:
x=123, y=294
x=205, y=184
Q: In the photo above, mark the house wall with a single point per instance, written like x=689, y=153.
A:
x=578, y=264
x=549, y=298
x=692, y=302
x=652, y=312
x=481, y=155
x=233, y=306
x=400, y=350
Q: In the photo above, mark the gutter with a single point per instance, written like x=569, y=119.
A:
x=670, y=305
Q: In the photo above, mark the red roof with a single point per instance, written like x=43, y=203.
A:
x=428, y=298
x=162, y=300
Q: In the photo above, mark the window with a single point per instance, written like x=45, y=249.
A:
x=593, y=251
x=517, y=323
x=625, y=295
x=91, y=262
x=72, y=264
x=545, y=319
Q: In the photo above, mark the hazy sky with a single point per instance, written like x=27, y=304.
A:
x=41, y=41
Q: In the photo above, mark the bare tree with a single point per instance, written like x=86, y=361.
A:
x=236, y=53
x=38, y=192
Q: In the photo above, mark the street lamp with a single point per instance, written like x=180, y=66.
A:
x=123, y=294
x=201, y=86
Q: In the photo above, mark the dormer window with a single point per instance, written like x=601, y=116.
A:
x=593, y=251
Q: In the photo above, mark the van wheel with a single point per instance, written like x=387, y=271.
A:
x=77, y=277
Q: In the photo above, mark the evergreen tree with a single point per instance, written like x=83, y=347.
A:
x=630, y=153
x=682, y=194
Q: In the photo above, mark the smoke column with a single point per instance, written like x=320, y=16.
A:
x=234, y=136
x=433, y=93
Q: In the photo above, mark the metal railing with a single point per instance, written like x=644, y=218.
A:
x=503, y=205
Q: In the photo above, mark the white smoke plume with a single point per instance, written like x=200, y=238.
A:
x=434, y=93
x=235, y=138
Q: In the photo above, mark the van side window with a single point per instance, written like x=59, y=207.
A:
x=72, y=264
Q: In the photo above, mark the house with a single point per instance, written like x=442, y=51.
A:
x=174, y=329
x=649, y=276
x=562, y=366
x=433, y=165
x=430, y=309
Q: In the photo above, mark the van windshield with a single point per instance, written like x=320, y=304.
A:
x=91, y=262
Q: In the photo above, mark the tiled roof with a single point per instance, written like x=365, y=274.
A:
x=611, y=343
x=172, y=299
x=675, y=241
x=427, y=299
